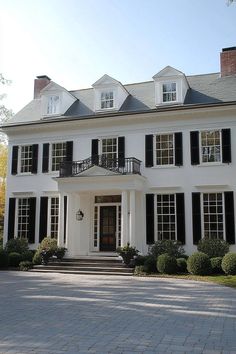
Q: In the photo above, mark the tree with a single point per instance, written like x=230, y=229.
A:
x=229, y=2
x=5, y=113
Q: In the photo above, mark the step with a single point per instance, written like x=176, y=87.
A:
x=92, y=259
x=86, y=263
x=85, y=268
x=82, y=272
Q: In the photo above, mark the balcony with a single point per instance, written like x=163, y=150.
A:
x=123, y=166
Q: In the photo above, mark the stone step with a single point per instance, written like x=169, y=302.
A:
x=87, y=263
x=92, y=259
x=82, y=272
x=89, y=268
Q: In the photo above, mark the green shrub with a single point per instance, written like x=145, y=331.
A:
x=216, y=265
x=27, y=256
x=166, y=264
x=37, y=258
x=139, y=270
x=25, y=265
x=172, y=248
x=3, y=258
x=60, y=252
x=181, y=265
x=127, y=253
x=49, y=244
x=150, y=265
x=18, y=245
x=213, y=247
x=199, y=264
x=229, y=263
x=139, y=260
x=14, y=259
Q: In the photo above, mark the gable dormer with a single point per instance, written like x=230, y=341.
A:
x=55, y=100
x=171, y=86
x=109, y=94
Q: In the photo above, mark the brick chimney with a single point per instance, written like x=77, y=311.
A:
x=228, y=61
x=39, y=83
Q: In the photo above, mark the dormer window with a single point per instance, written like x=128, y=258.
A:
x=53, y=104
x=107, y=100
x=169, y=92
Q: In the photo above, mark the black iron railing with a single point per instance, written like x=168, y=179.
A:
x=124, y=166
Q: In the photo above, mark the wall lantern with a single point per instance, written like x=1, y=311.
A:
x=79, y=215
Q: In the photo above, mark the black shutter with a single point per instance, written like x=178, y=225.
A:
x=94, y=151
x=226, y=146
x=180, y=213
x=149, y=150
x=32, y=211
x=45, y=164
x=14, y=160
x=229, y=218
x=178, y=149
x=121, y=151
x=43, y=219
x=149, y=219
x=69, y=151
x=34, y=168
x=194, y=142
x=196, y=210
x=65, y=217
x=11, y=218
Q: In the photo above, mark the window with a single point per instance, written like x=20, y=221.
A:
x=54, y=215
x=53, y=104
x=23, y=217
x=213, y=215
x=166, y=217
x=165, y=149
x=169, y=92
x=58, y=151
x=109, y=148
x=25, y=158
x=107, y=100
x=211, y=146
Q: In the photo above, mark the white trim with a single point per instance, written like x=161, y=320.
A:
x=155, y=151
x=200, y=148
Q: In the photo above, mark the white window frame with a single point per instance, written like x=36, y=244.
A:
x=49, y=225
x=169, y=92
x=51, y=154
x=156, y=216
x=155, y=150
x=17, y=215
x=203, y=214
x=101, y=145
x=201, y=147
x=51, y=107
x=107, y=100
x=20, y=159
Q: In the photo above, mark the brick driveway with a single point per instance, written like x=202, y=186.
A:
x=55, y=313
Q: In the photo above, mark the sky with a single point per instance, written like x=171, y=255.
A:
x=75, y=42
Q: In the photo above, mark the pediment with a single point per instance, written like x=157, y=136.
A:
x=168, y=71
x=106, y=80
x=52, y=88
x=97, y=171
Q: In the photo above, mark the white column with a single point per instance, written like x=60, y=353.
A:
x=132, y=218
x=124, y=218
x=60, y=240
x=70, y=225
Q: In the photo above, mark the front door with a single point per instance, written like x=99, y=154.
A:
x=108, y=228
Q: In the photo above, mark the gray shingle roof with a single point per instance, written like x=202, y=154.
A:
x=204, y=89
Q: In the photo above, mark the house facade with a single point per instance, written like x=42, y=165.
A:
x=97, y=168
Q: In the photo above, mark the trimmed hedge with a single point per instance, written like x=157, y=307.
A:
x=213, y=247
x=14, y=259
x=199, y=264
x=25, y=265
x=216, y=265
x=3, y=258
x=150, y=265
x=229, y=263
x=166, y=264
x=18, y=245
x=172, y=248
x=181, y=265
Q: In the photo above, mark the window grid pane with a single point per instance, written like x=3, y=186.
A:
x=166, y=219
x=107, y=100
x=58, y=155
x=54, y=217
x=109, y=148
x=213, y=215
x=53, y=105
x=165, y=149
x=95, y=231
x=169, y=92
x=210, y=145
x=23, y=218
x=26, y=158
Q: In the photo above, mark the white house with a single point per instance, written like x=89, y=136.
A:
x=99, y=167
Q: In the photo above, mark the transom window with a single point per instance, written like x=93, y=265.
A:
x=169, y=92
x=58, y=155
x=211, y=146
x=213, y=215
x=166, y=216
x=165, y=149
x=109, y=148
x=23, y=217
x=107, y=100
x=54, y=215
x=26, y=158
x=53, y=104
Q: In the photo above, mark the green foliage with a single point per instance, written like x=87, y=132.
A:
x=199, y=264
x=139, y=270
x=49, y=244
x=25, y=265
x=14, y=259
x=172, y=248
x=37, y=258
x=139, y=260
x=229, y=263
x=18, y=245
x=46, y=249
x=127, y=253
x=213, y=247
x=216, y=265
x=27, y=256
x=166, y=264
x=181, y=265
x=60, y=252
x=150, y=265
x=3, y=258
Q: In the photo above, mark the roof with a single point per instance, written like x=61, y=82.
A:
x=204, y=89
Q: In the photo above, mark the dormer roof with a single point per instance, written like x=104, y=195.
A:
x=106, y=80
x=168, y=71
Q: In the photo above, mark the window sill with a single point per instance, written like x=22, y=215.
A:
x=25, y=174
x=209, y=164
x=165, y=166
